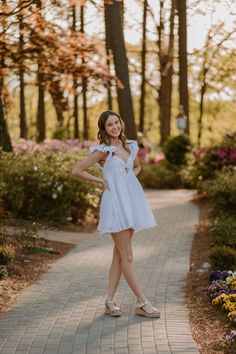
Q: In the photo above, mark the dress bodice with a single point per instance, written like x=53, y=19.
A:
x=114, y=163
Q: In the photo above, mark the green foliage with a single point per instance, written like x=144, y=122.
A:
x=222, y=191
x=40, y=186
x=223, y=257
x=175, y=150
x=3, y=271
x=40, y=249
x=7, y=254
x=224, y=232
x=159, y=176
x=229, y=139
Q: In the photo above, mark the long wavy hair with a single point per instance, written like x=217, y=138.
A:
x=102, y=135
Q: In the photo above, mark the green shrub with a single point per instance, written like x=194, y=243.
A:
x=159, y=176
x=39, y=186
x=224, y=232
x=223, y=257
x=7, y=254
x=222, y=191
x=175, y=150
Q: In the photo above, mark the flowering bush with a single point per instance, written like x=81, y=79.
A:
x=222, y=292
x=40, y=186
x=207, y=161
x=54, y=145
x=3, y=271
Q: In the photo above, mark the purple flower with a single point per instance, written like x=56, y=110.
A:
x=214, y=275
x=224, y=274
x=231, y=336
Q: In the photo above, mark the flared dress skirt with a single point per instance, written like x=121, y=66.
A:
x=124, y=205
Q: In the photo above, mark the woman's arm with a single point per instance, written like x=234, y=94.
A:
x=79, y=171
x=137, y=166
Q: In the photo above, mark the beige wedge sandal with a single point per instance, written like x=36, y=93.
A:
x=147, y=310
x=112, y=309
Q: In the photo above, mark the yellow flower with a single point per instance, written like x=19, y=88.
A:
x=221, y=298
x=232, y=313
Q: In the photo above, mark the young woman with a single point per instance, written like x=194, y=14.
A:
x=123, y=206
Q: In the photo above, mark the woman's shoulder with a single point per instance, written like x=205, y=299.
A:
x=133, y=146
x=102, y=148
x=132, y=143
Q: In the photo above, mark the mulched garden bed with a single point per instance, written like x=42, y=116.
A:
x=208, y=323
x=27, y=267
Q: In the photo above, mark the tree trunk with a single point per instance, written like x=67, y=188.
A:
x=183, y=61
x=84, y=84
x=57, y=99
x=5, y=140
x=41, y=124
x=143, y=69
x=23, y=124
x=108, y=47
x=75, y=84
x=166, y=73
x=121, y=66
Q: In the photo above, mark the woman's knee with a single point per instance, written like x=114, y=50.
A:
x=123, y=246
x=116, y=255
x=130, y=256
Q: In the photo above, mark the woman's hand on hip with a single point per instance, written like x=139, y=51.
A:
x=105, y=185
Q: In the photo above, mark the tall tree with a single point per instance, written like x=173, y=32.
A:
x=166, y=73
x=84, y=82
x=41, y=124
x=23, y=124
x=143, y=68
x=108, y=48
x=212, y=50
x=183, y=60
x=75, y=81
x=5, y=140
x=114, y=25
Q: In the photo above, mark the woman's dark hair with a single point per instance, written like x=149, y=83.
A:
x=102, y=134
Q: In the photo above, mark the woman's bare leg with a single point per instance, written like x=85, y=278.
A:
x=114, y=274
x=115, y=271
x=122, y=263
x=123, y=244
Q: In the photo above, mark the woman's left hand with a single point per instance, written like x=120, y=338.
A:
x=105, y=185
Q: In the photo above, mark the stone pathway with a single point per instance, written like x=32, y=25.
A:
x=64, y=311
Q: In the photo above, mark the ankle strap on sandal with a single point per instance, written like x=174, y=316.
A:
x=141, y=304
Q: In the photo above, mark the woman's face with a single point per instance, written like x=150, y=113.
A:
x=113, y=126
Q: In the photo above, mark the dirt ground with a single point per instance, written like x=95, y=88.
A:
x=208, y=323
x=27, y=267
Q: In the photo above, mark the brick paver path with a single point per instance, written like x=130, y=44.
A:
x=64, y=312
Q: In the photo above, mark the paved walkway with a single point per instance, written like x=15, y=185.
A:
x=63, y=312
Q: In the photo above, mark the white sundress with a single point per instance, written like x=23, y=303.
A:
x=124, y=206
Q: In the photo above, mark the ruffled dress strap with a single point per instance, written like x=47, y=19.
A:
x=133, y=145
x=103, y=148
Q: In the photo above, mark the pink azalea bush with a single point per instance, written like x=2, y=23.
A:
x=208, y=161
x=54, y=145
